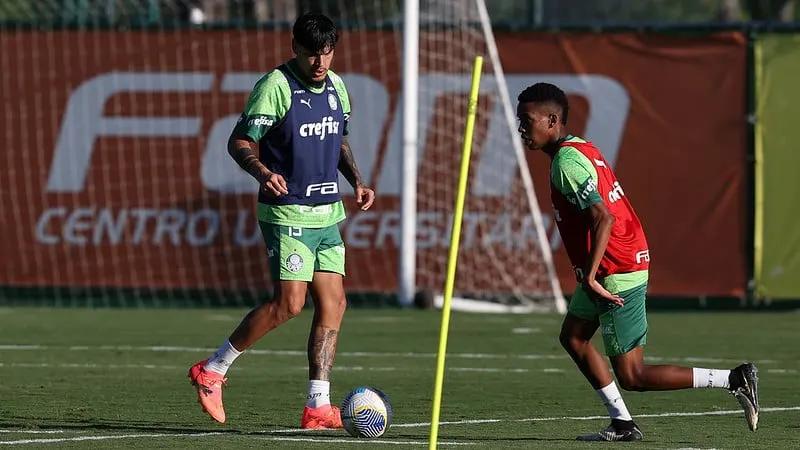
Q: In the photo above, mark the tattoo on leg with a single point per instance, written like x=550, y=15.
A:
x=321, y=352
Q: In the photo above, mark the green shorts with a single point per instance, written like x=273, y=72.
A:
x=295, y=253
x=623, y=328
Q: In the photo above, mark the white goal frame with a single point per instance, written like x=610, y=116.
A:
x=408, y=213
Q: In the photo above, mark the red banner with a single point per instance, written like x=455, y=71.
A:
x=115, y=172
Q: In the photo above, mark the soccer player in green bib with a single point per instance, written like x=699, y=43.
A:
x=606, y=245
x=292, y=138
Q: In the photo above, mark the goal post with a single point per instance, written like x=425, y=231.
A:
x=407, y=268
x=516, y=275
x=559, y=302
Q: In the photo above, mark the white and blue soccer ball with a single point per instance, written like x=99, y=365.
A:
x=366, y=412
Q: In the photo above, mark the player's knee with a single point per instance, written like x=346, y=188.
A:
x=291, y=303
x=339, y=303
x=331, y=306
x=330, y=296
x=295, y=307
x=571, y=343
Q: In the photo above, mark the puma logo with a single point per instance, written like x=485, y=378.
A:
x=306, y=101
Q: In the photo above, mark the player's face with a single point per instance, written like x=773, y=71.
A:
x=314, y=65
x=536, y=126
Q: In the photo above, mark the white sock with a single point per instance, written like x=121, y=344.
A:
x=222, y=359
x=319, y=393
x=611, y=397
x=711, y=378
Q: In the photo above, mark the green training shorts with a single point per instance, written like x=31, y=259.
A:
x=623, y=328
x=295, y=253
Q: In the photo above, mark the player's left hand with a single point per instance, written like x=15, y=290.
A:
x=365, y=197
x=597, y=291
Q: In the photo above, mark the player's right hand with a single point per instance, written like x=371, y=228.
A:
x=274, y=185
x=597, y=291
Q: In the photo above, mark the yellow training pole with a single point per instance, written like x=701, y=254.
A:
x=455, y=237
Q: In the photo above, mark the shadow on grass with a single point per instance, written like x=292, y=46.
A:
x=106, y=425
x=417, y=437
x=113, y=426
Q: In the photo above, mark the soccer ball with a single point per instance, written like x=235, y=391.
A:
x=366, y=412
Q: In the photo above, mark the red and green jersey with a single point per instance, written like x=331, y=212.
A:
x=580, y=177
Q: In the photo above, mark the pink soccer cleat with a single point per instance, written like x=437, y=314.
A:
x=209, y=390
x=325, y=417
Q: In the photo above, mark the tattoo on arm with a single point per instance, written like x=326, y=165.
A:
x=321, y=352
x=243, y=152
x=347, y=165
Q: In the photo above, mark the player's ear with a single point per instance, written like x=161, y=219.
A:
x=294, y=47
x=552, y=120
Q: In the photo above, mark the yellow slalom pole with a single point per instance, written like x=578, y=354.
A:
x=455, y=237
x=758, y=219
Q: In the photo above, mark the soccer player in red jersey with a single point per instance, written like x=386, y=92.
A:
x=606, y=245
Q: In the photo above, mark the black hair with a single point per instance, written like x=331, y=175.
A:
x=546, y=93
x=315, y=32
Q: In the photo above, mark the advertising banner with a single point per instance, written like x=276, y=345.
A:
x=115, y=171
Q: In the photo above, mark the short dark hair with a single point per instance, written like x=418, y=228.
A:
x=546, y=93
x=315, y=32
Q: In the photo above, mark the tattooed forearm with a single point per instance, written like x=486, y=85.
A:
x=347, y=165
x=321, y=352
x=243, y=153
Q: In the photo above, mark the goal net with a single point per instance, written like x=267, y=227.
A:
x=116, y=183
x=503, y=265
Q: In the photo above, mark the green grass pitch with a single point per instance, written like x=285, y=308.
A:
x=82, y=378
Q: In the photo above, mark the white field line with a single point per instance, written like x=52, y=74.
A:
x=89, y=366
x=383, y=441
x=302, y=353
x=24, y=431
x=371, y=442
x=695, y=448
x=103, y=438
x=565, y=418
x=303, y=368
x=553, y=419
x=297, y=368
